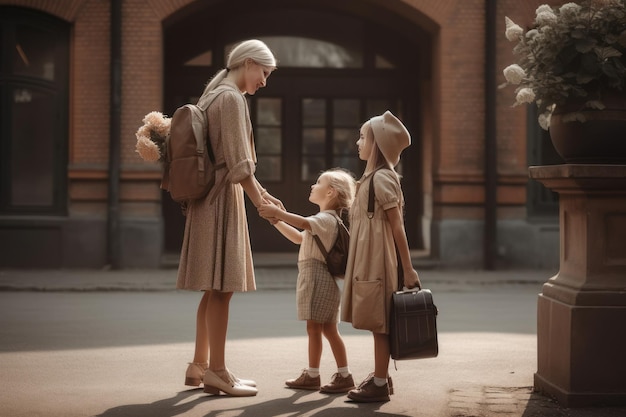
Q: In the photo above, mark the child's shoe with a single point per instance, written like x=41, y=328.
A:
x=338, y=384
x=369, y=392
x=304, y=381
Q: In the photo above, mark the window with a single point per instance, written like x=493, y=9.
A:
x=298, y=52
x=33, y=125
x=330, y=129
x=268, y=139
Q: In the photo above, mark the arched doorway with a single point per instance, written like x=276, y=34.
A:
x=337, y=68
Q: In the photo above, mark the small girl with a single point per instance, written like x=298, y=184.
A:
x=318, y=294
x=377, y=242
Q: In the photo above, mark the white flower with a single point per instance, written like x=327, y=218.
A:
x=525, y=95
x=546, y=18
x=157, y=122
x=148, y=150
x=569, y=9
x=514, y=74
x=543, y=8
x=513, y=31
x=532, y=33
x=544, y=120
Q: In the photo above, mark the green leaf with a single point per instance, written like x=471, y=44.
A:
x=585, y=45
x=607, y=52
x=595, y=104
x=622, y=38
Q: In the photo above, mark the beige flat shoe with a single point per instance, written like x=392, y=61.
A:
x=247, y=382
x=213, y=384
x=195, y=373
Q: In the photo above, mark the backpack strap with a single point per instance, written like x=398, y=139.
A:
x=370, y=215
x=319, y=241
x=320, y=245
x=370, y=198
x=200, y=129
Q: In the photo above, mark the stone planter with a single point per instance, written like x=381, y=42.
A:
x=601, y=139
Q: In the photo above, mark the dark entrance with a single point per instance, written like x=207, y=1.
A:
x=336, y=70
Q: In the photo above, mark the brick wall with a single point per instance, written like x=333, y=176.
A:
x=454, y=132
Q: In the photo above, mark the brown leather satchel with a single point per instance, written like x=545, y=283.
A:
x=413, y=325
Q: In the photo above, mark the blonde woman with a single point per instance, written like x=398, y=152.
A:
x=318, y=294
x=216, y=227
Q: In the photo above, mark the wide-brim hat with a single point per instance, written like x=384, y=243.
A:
x=390, y=135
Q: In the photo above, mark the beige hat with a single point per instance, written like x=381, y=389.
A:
x=390, y=135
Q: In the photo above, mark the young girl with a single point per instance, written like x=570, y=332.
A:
x=372, y=270
x=318, y=295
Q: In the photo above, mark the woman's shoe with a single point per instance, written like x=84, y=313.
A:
x=195, y=373
x=213, y=384
x=247, y=382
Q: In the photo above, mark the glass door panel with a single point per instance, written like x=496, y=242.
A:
x=269, y=139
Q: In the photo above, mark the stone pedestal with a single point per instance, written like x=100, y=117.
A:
x=581, y=313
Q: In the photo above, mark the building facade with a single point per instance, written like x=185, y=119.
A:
x=77, y=77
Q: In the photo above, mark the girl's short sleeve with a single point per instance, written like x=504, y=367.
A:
x=324, y=225
x=387, y=189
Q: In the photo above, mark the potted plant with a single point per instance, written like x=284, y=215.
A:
x=572, y=64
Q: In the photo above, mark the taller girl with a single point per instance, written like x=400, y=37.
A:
x=216, y=257
x=377, y=243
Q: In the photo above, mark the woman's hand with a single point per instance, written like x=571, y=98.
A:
x=267, y=196
x=411, y=279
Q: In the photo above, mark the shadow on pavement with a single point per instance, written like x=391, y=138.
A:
x=168, y=407
x=293, y=406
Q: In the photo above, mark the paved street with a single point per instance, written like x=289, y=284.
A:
x=104, y=343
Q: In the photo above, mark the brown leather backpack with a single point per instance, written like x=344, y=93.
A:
x=337, y=256
x=189, y=168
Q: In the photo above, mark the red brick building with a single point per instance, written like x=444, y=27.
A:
x=77, y=77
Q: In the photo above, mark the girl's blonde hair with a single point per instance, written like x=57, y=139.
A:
x=343, y=182
x=253, y=49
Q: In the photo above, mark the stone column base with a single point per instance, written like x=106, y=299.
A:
x=581, y=348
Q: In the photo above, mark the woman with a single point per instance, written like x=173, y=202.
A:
x=216, y=257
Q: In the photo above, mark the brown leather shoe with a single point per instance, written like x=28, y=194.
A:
x=338, y=384
x=369, y=392
x=304, y=381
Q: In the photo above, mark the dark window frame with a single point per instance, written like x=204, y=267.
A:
x=10, y=18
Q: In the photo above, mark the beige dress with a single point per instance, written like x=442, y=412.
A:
x=317, y=292
x=372, y=269
x=216, y=253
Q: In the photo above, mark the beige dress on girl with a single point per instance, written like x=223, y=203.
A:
x=372, y=269
x=216, y=252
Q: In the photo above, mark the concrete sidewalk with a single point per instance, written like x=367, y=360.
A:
x=476, y=374
x=273, y=272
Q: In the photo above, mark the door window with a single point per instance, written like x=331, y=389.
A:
x=268, y=139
